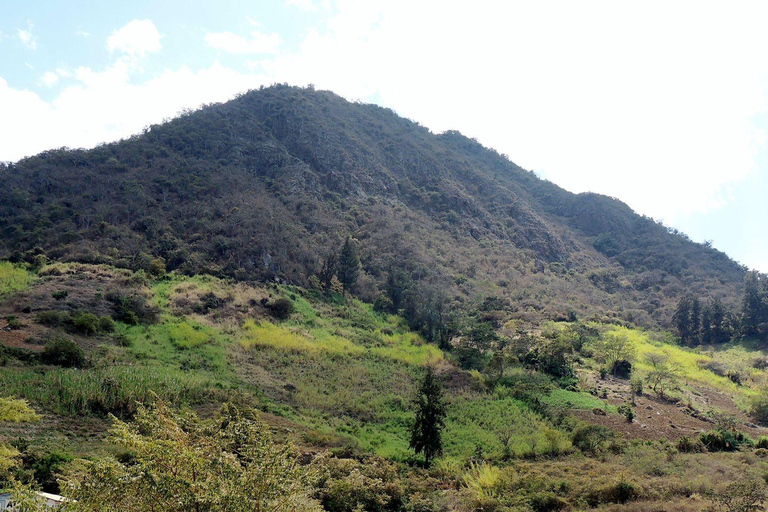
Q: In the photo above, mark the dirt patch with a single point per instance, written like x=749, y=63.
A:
x=656, y=418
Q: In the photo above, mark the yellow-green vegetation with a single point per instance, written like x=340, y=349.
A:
x=566, y=399
x=492, y=427
x=16, y=411
x=13, y=278
x=701, y=367
x=267, y=334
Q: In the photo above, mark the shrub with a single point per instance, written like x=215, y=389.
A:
x=208, y=302
x=132, y=309
x=281, y=308
x=627, y=412
x=13, y=322
x=59, y=295
x=106, y=324
x=85, y=323
x=758, y=409
x=685, y=444
x=622, y=369
x=590, y=438
x=621, y=492
x=63, y=352
x=53, y=318
x=636, y=386
x=724, y=440
x=547, y=502
x=762, y=442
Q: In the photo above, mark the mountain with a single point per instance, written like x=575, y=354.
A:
x=268, y=185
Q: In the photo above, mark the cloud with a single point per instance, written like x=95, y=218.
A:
x=303, y=5
x=49, y=79
x=258, y=43
x=82, y=33
x=104, y=105
x=135, y=39
x=655, y=105
x=27, y=38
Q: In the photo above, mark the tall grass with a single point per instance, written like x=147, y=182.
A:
x=109, y=390
x=13, y=278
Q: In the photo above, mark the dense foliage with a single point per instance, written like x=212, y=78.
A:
x=286, y=183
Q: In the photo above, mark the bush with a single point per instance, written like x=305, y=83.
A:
x=591, y=438
x=281, y=308
x=627, y=412
x=621, y=492
x=13, y=322
x=106, y=324
x=63, y=352
x=685, y=444
x=758, y=409
x=132, y=309
x=724, y=440
x=53, y=318
x=85, y=323
x=762, y=442
x=622, y=369
x=547, y=502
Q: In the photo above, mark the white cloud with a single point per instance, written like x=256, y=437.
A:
x=135, y=39
x=303, y=5
x=82, y=33
x=49, y=79
x=258, y=43
x=27, y=38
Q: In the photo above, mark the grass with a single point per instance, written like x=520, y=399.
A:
x=267, y=334
x=478, y=424
x=99, y=391
x=566, y=399
x=689, y=363
x=13, y=278
x=181, y=343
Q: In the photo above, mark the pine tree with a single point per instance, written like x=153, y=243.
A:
x=752, y=305
x=682, y=318
x=719, y=321
x=349, y=264
x=695, y=320
x=706, y=323
x=426, y=432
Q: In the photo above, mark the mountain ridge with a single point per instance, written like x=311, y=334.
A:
x=269, y=184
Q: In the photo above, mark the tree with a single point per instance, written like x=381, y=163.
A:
x=663, y=376
x=682, y=318
x=426, y=432
x=706, y=324
x=612, y=348
x=752, y=306
x=695, y=320
x=328, y=271
x=349, y=264
x=178, y=462
x=721, y=331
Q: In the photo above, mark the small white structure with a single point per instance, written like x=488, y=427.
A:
x=51, y=500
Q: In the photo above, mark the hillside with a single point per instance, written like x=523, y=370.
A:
x=268, y=185
x=81, y=342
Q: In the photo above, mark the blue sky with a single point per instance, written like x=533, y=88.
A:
x=660, y=104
